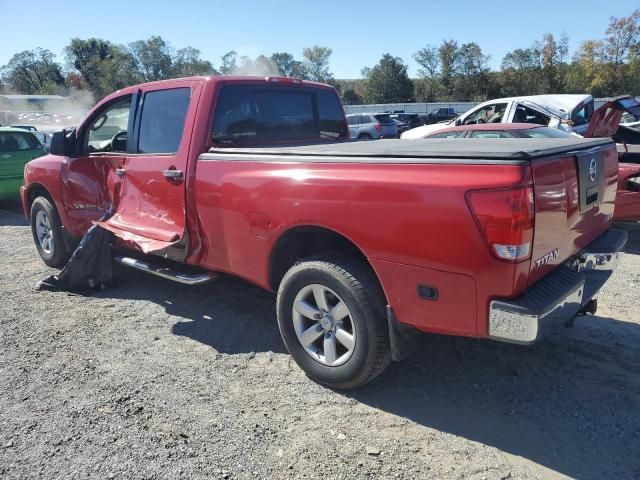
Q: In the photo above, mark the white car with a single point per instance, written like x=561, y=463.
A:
x=570, y=113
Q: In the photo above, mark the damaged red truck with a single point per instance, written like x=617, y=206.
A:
x=365, y=243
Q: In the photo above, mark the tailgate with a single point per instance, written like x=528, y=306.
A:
x=574, y=202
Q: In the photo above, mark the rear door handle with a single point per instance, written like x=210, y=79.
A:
x=173, y=174
x=120, y=172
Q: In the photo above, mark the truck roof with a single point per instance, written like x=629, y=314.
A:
x=288, y=81
x=518, y=149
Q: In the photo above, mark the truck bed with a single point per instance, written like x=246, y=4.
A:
x=414, y=151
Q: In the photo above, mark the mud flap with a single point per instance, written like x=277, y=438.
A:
x=402, y=338
x=90, y=266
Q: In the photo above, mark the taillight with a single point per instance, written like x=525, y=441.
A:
x=505, y=218
x=378, y=127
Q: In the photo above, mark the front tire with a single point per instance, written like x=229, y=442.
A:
x=46, y=229
x=332, y=320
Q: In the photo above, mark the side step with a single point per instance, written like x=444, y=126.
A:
x=165, y=272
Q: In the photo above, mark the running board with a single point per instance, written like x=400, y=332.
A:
x=168, y=273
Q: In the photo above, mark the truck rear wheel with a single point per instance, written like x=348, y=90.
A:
x=46, y=228
x=331, y=317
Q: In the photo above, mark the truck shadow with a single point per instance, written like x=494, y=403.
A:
x=11, y=214
x=633, y=229
x=229, y=315
x=569, y=403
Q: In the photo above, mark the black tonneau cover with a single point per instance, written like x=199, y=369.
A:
x=521, y=149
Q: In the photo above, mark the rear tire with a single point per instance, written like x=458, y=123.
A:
x=345, y=343
x=46, y=229
x=364, y=136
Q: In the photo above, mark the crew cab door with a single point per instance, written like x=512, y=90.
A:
x=150, y=206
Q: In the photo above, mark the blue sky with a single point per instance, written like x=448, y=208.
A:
x=359, y=32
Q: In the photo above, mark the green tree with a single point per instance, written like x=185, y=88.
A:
x=351, y=97
x=623, y=37
x=104, y=67
x=288, y=66
x=229, y=61
x=521, y=72
x=448, y=53
x=33, y=72
x=187, y=62
x=153, y=58
x=553, y=54
x=388, y=81
x=586, y=73
x=429, y=61
x=317, y=63
x=472, y=69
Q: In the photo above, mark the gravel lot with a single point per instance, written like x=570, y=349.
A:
x=155, y=380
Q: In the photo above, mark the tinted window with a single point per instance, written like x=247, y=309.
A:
x=260, y=113
x=529, y=115
x=15, y=142
x=352, y=120
x=162, y=120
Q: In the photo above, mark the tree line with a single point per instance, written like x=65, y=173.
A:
x=447, y=72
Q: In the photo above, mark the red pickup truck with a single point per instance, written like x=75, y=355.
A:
x=365, y=243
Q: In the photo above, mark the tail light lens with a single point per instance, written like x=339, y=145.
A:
x=505, y=218
x=378, y=127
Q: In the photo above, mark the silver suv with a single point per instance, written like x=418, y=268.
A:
x=370, y=126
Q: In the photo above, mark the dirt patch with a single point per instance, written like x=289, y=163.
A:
x=155, y=380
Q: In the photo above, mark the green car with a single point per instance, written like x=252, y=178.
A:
x=17, y=147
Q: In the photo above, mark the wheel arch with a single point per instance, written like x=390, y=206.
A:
x=303, y=241
x=36, y=190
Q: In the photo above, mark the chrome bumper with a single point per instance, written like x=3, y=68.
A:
x=558, y=297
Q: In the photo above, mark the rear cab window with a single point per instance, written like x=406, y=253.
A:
x=252, y=114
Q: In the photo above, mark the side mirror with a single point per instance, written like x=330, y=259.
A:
x=63, y=143
x=458, y=121
x=57, y=146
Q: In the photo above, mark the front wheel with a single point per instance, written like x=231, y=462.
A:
x=332, y=320
x=46, y=228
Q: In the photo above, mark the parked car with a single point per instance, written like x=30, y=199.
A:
x=17, y=147
x=28, y=128
x=503, y=130
x=413, y=120
x=44, y=138
x=400, y=126
x=440, y=114
x=365, y=243
x=570, y=113
x=371, y=126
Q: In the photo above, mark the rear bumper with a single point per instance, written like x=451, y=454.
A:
x=558, y=297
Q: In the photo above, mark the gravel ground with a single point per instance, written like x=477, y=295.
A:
x=155, y=380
